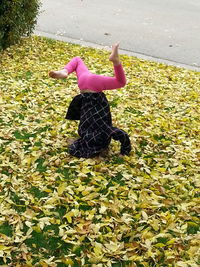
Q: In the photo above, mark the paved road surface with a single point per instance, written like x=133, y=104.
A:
x=162, y=30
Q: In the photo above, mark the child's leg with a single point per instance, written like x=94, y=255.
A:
x=76, y=64
x=87, y=80
x=82, y=72
x=119, y=80
x=100, y=82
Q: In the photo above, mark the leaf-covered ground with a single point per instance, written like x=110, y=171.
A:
x=56, y=210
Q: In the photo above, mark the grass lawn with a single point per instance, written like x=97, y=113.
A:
x=57, y=210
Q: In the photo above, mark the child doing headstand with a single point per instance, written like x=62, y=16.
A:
x=92, y=109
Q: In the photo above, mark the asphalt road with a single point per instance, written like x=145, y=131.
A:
x=167, y=30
